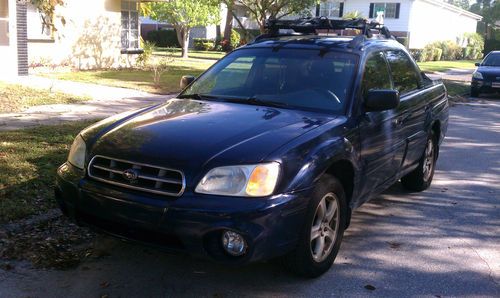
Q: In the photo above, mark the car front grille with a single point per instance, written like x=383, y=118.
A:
x=137, y=176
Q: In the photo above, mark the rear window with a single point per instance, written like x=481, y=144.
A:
x=304, y=78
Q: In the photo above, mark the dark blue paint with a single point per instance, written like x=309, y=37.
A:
x=195, y=136
x=490, y=73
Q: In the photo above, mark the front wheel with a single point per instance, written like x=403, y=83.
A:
x=421, y=178
x=474, y=92
x=320, y=238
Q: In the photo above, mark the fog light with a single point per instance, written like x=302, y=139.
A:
x=234, y=243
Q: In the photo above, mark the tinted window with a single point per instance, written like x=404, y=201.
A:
x=307, y=79
x=376, y=74
x=404, y=75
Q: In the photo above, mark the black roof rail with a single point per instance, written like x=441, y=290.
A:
x=304, y=26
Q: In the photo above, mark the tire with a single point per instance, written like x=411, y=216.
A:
x=421, y=178
x=309, y=259
x=474, y=92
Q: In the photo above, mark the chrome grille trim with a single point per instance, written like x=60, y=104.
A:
x=112, y=175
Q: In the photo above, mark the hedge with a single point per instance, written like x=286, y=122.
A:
x=163, y=38
x=204, y=44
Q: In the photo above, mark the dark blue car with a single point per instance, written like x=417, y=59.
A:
x=486, y=78
x=267, y=153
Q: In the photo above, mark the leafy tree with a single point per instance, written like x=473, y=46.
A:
x=490, y=10
x=355, y=14
x=185, y=15
x=460, y=3
x=261, y=10
x=48, y=7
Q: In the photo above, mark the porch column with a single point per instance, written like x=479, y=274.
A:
x=22, y=38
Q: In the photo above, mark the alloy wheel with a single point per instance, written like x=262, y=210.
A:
x=324, y=227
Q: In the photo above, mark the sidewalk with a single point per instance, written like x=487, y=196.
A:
x=106, y=101
x=454, y=74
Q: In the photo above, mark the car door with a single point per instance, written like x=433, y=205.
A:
x=381, y=146
x=413, y=105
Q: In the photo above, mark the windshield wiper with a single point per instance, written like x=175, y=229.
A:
x=247, y=100
x=198, y=96
x=268, y=103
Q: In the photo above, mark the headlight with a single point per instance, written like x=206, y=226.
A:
x=77, y=153
x=249, y=180
x=477, y=75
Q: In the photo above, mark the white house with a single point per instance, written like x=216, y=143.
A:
x=89, y=34
x=421, y=21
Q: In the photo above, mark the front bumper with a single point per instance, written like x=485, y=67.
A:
x=485, y=86
x=192, y=223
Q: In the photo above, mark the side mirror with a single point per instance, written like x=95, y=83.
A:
x=381, y=100
x=186, y=81
x=477, y=64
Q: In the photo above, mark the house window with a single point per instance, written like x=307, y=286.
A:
x=37, y=24
x=130, y=25
x=331, y=9
x=4, y=22
x=389, y=10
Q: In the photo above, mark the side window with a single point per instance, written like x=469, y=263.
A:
x=376, y=75
x=403, y=71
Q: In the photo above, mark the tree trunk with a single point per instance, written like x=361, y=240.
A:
x=229, y=23
x=183, y=38
x=185, y=45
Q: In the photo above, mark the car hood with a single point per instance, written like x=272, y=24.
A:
x=190, y=135
x=489, y=70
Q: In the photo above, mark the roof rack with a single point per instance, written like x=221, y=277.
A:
x=309, y=26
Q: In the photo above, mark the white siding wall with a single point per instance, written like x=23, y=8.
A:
x=8, y=53
x=429, y=23
x=89, y=39
x=363, y=6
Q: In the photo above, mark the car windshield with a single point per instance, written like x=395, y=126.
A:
x=296, y=78
x=492, y=60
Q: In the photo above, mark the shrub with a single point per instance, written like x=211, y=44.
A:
x=163, y=38
x=427, y=54
x=416, y=54
x=437, y=53
x=450, y=50
x=203, y=44
x=148, y=48
x=473, y=45
x=403, y=41
x=235, y=39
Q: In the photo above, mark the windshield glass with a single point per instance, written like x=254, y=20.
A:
x=492, y=60
x=297, y=78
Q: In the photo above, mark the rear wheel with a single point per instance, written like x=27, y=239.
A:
x=322, y=233
x=421, y=178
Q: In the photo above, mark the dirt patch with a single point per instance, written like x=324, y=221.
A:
x=54, y=243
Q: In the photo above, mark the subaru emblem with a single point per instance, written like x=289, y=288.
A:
x=130, y=174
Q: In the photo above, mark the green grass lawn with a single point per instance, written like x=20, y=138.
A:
x=28, y=162
x=457, y=88
x=140, y=79
x=442, y=66
x=14, y=98
x=176, y=52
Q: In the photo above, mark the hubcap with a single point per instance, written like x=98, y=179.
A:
x=429, y=160
x=324, y=227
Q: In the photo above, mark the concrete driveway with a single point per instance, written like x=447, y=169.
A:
x=442, y=242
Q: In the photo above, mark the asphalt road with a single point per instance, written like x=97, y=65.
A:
x=442, y=242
